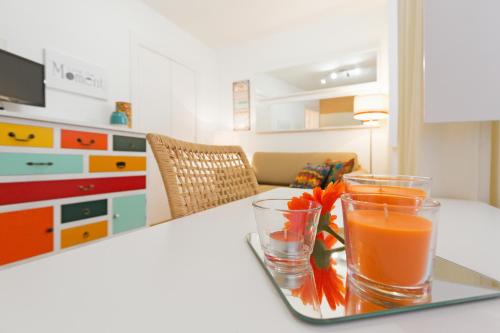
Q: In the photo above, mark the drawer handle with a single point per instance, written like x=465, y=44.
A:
x=116, y=216
x=86, y=188
x=50, y=230
x=86, y=211
x=86, y=234
x=121, y=164
x=39, y=163
x=28, y=138
x=90, y=143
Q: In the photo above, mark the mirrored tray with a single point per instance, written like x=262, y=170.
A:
x=452, y=284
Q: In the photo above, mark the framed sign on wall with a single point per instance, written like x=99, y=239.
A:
x=241, y=105
x=69, y=74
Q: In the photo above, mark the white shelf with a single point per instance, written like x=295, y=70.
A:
x=330, y=128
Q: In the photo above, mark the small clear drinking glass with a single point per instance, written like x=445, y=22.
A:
x=388, y=184
x=390, y=245
x=286, y=236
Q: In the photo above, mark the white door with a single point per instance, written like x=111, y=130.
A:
x=152, y=103
x=183, y=103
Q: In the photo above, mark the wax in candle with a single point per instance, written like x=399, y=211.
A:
x=383, y=189
x=389, y=247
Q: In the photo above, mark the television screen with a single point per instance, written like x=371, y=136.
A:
x=21, y=80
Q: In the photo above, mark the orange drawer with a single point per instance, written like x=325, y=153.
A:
x=116, y=163
x=83, y=140
x=83, y=234
x=25, y=233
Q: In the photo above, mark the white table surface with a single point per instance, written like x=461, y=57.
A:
x=197, y=274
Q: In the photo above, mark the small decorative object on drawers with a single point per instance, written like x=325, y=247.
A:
x=63, y=185
x=126, y=108
x=119, y=119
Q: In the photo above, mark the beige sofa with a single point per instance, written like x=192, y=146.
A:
x=279, y=169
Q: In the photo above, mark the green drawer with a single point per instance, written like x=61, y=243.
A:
x=129, y=212
x=83, y=210
x=128, y=143
x=12, y=164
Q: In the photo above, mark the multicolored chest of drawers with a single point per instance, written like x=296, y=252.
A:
x=63, y=185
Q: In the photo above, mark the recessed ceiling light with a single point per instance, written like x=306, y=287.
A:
x=323, y=81
x=333, y=75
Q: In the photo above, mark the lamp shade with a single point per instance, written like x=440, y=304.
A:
x=371, y=107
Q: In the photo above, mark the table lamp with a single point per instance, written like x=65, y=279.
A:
x=370, y=109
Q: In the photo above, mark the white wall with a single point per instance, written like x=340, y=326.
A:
x=99, y=32
x=344, y=32
x=457, y=157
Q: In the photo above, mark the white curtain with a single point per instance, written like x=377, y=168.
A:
x=411, y=78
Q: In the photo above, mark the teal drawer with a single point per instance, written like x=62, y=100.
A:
x=83, y=210
x=128, y=143
x=129, y=212
x=12, y=164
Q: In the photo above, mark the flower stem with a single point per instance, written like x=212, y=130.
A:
x=334, y=234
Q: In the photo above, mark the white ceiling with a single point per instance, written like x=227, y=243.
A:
x=220, y=23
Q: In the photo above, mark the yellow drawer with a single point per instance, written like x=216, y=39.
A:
x=25, y=135
x=83, y=234
x=116, y=163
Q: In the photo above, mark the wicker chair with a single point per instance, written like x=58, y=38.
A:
x=198, y=177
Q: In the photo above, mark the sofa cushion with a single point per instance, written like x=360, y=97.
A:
x=338, y=169
x=281, y=168
x=312, y=175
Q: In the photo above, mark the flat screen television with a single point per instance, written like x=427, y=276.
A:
x=21, y=80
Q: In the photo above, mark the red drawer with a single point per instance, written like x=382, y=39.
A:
x=12, y=193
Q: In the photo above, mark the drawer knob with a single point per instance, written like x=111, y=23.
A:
x=86, y=188
x=50, y=230
x=28, y=138
x=39, y=163
x=86, y=211
x=116, y=216
x=80, y=141
x=121, y=164
x=86, y=234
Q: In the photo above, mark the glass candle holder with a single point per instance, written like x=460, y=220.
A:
x=286, y=236
x=390, y=244
x=385, y=184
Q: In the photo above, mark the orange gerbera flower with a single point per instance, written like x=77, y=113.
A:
x=327, y=282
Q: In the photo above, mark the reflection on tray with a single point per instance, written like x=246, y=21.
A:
x=451, y=284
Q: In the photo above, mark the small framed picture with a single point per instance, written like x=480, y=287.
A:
x=241, y=105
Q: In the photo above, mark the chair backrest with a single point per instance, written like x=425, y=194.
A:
x=198, y=177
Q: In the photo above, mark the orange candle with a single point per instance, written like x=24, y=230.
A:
x=390, y=248
x=384, y=189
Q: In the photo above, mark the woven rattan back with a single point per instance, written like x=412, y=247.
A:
x=198, y=177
